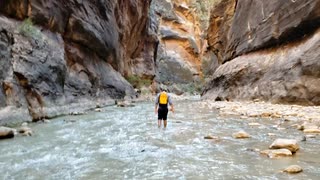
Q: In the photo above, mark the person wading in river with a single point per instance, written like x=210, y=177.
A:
x=161, y=107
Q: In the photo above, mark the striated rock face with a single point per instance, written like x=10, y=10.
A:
x=54, y=53
x=220, y=22
x=180, y=47
x=272, y=49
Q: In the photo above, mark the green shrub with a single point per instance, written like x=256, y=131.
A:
x=138, y=82
x=27, y=29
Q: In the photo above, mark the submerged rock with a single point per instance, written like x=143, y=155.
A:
x=98, y=110
x=293, y=169
x=211, y=137
x=25, y=131
x=271, y=134
x=273, y=153
x=125, y=104
x=310, y=136
x=77, y=113
x=290, y=144
x=240, y=135
x=6, y=132
x=254, y=124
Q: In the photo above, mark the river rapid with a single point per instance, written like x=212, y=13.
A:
x=125, y=143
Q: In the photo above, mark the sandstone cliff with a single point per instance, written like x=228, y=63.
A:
x=57, y=53
x=267, y=50
x=180, y=48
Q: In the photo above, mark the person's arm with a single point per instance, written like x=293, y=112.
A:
x=171, y=104
x=156, y=104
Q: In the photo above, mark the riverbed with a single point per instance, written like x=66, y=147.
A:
x=125, y=143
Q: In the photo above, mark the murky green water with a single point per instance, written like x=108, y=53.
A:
x=125, y=143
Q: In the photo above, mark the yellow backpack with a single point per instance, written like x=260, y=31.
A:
x=163, y=98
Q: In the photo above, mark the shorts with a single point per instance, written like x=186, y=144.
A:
x=162, y=113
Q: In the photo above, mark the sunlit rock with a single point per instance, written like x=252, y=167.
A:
x=240, y=135
x=316, y=131
x=254, y=124
x=273, y=153
x=293, y=169
x=98, y=110
x=290, y=144
x=6, y=132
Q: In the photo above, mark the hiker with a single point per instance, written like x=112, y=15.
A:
x=161, y=107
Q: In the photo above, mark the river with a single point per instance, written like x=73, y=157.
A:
x=125, y=143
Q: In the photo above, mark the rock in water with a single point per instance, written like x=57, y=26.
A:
x=211, y=137
x=274, y=153
x=293, y=169
x=241, y=135
x=25, y=131
x=6, y=132
x=290, y=144
x=315, y=131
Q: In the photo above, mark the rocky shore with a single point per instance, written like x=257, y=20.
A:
x=244, y=110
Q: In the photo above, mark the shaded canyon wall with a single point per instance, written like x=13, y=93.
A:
x=267, y=50
x=59, y=56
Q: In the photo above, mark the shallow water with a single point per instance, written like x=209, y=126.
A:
x=125, y=143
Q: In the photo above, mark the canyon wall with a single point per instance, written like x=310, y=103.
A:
x=61, y=56
x=181, y=42
x=266, y=50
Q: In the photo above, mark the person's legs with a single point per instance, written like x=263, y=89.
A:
x=165, y=123
x=159, y=123
x=165, y=117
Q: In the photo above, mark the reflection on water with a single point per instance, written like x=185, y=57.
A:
x=125, y=143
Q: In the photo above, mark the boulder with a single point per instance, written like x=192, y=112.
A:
x=6, y=132
x=290, y=144
x=240, y=135
x=273, y=153
x=293, y=169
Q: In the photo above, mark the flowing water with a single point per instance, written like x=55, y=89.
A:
x=125, y=143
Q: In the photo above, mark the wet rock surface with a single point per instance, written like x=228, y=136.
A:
x=289, y=144
x=293, y=169
x=274, y=153
x=241, y=135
